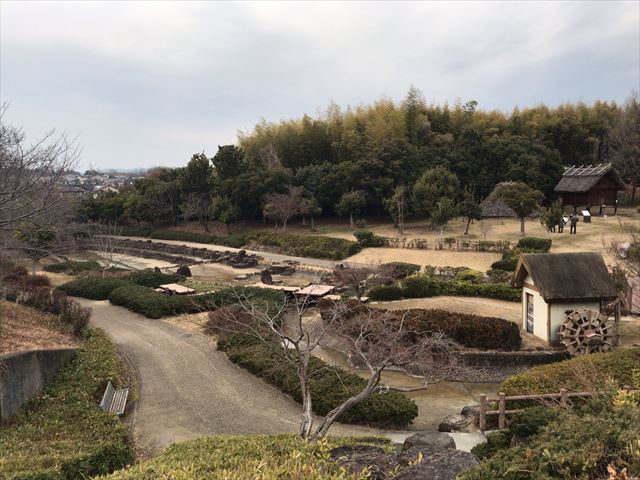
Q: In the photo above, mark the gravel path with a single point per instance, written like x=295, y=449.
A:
x=188, y=389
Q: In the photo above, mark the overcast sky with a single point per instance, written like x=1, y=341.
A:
x=150, y=83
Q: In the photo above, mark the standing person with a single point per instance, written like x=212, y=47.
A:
x=561, y=224
x=615, y=207
x=574, y=222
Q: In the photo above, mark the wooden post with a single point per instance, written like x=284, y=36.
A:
x=563, y=397
x=502, y=423
x=483, y=412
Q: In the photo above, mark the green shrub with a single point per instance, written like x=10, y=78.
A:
x=272, y=457
x=151, y=278
x=399, y=270
x=496, y=441
x=152, y=304
x=235, y=241
x=582, y=373
x=94, y=288
x=385, y=293
x=62, y=433
x=422, y=285
x=508, y=262
x=470, y=275
x=367, y=238
x=530, y=421
x=534, y=244
x=133, y=231
x=573, y=446
x=471, y=331
x=307, y=245
x=330, y=386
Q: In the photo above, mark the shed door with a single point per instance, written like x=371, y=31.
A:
x=529, y=313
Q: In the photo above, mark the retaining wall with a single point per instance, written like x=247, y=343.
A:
x=23, y=374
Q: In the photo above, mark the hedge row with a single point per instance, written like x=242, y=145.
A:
x=97, y=288
x=307, y=245
x=367, y=239
x=423, y=285
x=234, y=241
x=63, y=434
x=73, y=268
x=471, y=331
x=582, y=373
x=330, y=386
x=510, y=258
x=152, y=304
x=534, y=244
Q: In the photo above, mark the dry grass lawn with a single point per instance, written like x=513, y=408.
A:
x=437, y=258
x=23, y=328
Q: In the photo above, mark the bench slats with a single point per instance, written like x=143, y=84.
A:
x=114, y=401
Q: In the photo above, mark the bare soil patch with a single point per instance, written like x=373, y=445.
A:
x=23, y=328
x=437, y=258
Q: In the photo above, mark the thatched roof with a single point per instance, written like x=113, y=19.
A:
x=565, y=277
x=494, y=207
x=584, y=178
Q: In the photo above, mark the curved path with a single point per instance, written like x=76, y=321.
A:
x=187, y=388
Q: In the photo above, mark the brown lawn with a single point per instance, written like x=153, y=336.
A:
x=24, y=328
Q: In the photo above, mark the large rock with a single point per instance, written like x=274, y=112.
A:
x=355, y=458
x=456, y=423
x=429, y=443
x=265, y=277
x=446, y=465
x=184, y=270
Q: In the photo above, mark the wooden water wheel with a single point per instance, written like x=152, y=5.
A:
x=585, y=331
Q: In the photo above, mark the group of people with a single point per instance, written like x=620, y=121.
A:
x=572, y=221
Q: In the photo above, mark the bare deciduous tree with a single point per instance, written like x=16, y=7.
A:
x=283, y=206
x=378, y=339
x=358, y=279
x=198, y=205
x=31, y=175
x=107, y=243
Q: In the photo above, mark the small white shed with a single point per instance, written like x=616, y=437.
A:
x=554, y=283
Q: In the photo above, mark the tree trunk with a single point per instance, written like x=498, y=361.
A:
x=306, y=422
x=522, y=220
x=284, y=224
x=304, y=221
x=351, y=219
x=313, y=224
x=333, y=415
x=466, y=230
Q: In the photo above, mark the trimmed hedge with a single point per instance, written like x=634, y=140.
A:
x=471, y=331
x=577, y=374
x=330, y=386
x=93, y=288
x=62, y=433
x=399, y=270
x=307, y=245
x=423, y=285
x=153, y=279
x=367, y=239
x=152, y=304
x=72, y=267
x=234, y=241
x=385, y=293
x=534, y=244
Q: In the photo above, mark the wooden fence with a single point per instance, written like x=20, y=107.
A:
x=562, y=397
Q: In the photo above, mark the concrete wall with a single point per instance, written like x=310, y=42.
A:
x=23, y=374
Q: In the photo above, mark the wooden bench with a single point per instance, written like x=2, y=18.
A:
x=114, y=401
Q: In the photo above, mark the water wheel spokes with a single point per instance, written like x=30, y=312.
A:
x=585, y=331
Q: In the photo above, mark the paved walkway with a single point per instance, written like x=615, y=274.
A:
x=188, y=389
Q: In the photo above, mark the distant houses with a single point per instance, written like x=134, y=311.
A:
x=590, y=186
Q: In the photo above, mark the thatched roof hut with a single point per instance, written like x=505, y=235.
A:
x=590, y=185
x=494, y=207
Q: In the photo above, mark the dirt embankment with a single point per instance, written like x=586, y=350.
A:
x=23, y=328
